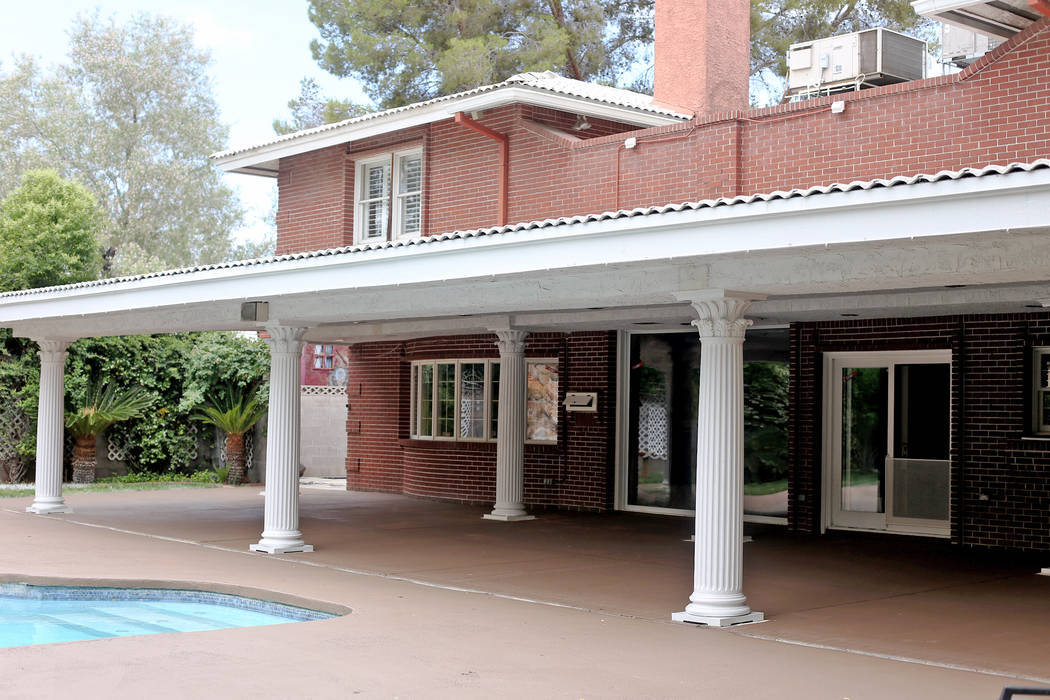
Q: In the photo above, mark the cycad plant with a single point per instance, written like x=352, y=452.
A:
x=104, y=404
x=234, y=411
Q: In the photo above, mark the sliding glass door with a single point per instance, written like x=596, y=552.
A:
x=887, y=441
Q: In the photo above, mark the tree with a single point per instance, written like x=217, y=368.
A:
x=48, y=233
x=235, y=412
x=104, y=405
x=310, y=109
x=133, y=117
x=405, y=51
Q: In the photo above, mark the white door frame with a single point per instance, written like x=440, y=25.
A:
x=831, y=446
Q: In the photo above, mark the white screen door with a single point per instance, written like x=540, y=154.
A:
x=887, y=441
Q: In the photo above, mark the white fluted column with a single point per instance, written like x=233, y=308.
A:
x=50, y=427
x=281, y=522
x=718, y=551
x=510, y=429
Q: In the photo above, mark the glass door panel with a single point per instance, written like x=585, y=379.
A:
x=921, y=444
x=864, y=430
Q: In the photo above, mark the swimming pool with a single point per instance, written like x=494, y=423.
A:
x=44, y=614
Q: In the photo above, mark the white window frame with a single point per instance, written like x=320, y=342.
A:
x=391, y=159
x=1036, y=426
x=396, y=224
x=414, y=413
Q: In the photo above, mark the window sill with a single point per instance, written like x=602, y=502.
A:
x=479, y=446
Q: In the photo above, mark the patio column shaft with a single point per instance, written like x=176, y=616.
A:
x=281, y=524
x=50, y=427
x=510, y=429
x=718, y=597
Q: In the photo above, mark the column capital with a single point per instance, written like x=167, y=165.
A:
x=52, y=349
x=287, y=339
x=721, y=312
x=510, y=341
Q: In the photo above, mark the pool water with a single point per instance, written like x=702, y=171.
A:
x=45, y=614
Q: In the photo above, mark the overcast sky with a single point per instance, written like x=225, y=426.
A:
x=260, y=51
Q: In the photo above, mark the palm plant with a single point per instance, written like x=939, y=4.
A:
x=234, y=411
x=104, y=404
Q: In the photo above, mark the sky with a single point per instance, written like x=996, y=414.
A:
x=260, y=51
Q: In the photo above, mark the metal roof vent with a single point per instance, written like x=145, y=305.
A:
x=853, y=61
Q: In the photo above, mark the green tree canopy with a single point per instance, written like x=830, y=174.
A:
x=405, y=51
x=48, y=233
x=132, y=116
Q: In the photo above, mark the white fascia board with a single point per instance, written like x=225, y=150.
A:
x=269, y=155
x=524, y=94
x=1018, y=201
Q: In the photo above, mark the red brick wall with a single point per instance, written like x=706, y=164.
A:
x=993, y=112
x=989, y=417
x=380, y=455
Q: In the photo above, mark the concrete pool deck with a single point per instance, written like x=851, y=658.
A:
x=599, y=591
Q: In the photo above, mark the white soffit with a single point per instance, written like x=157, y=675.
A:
x=1008, y=199
x=545, y=89
x=997, y=18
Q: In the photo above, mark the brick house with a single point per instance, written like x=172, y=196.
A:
x=871, y=355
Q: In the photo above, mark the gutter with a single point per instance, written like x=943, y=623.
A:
x=504, y=162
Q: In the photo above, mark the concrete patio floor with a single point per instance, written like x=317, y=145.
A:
x=568, y=605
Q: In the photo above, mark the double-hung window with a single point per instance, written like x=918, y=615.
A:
x=388, y=196
x=459, y=400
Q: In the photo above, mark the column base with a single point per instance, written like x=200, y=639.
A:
x=281, y=549
x=507, y=518
x=48, y=508
x=717, y=621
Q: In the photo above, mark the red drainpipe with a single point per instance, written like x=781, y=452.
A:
x=1042, y=6
x=504, y=160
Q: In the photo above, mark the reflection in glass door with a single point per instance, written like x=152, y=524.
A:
x=888, y=440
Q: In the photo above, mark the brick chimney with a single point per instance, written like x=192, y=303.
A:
x=702, y=55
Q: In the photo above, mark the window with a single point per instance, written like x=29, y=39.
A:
x=459, y=400
x=1041, y=391
x=324, y=357
x=389, y=196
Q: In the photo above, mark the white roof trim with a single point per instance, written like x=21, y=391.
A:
x=702, y=212
x=539, y=89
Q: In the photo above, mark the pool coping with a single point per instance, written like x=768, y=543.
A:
x=222, y=589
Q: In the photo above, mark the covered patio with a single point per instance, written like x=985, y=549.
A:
x=852, y=615
x=971, y=241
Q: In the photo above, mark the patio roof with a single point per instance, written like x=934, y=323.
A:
x=802, y=248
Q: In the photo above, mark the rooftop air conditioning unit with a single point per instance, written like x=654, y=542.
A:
x=853, y=62
x=961, y=47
